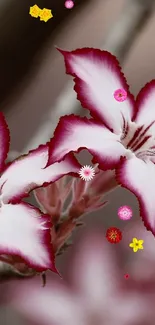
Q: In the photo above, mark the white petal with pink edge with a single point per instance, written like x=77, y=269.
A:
x=29, y=172
x=145, y=104
x=139, y=177
x=97, y=77
x=4, y=141
x=25, y=232
x=74, y=133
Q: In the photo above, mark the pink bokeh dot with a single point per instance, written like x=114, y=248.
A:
x=69, y=4
x=120, y=95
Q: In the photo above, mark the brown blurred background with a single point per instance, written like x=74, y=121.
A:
x=32, y=71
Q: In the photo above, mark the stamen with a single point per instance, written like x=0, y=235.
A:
x=146, y=153
x=137, y=139
x=138, y=136
x=148, y=127
x=125, y=128
x=151, y=152
x=140, y=144
x=134, y=138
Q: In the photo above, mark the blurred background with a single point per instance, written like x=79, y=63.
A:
x=35, y=92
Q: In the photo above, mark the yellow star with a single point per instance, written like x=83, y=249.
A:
x=45, y=14
x=34, y=11
x=136, y=244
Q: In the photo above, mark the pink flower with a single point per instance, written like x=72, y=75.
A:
x=97, y=292
x=87, y=173
x=125, y=213
x=120, y=95
x=25, y=230
x=121, y=135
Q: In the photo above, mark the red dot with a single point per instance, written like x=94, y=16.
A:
x=126, y=276
x=114, y=235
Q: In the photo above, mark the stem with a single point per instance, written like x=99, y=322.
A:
x=103, y=183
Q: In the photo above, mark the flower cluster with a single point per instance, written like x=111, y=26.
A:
x=120, y=136
x=44, y=14
x=121, y=133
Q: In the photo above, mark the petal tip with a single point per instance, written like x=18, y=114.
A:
x=63, y=52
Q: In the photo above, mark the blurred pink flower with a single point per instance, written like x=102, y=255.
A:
x=96, y=294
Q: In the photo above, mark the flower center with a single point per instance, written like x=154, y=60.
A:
x=87, y=172
x=138, y=139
